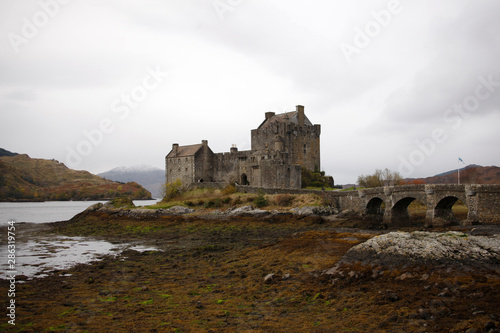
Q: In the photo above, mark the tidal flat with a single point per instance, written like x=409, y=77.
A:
x=251, y=274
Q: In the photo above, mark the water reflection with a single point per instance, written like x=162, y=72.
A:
x=46, y=254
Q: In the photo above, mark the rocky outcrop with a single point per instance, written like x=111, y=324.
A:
x=137, y=213
x=314, y=210
x=418, y=248
x=141, y=213
x=246, y=211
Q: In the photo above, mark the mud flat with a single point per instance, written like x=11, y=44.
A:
x=267, y=273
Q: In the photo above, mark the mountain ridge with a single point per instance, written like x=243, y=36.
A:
x=470, y=174
x=23, y=178
x=150, y=177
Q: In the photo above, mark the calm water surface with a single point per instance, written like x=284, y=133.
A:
x=50, y=211
x=39, y=256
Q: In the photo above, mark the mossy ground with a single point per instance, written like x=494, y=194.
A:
x=209, y=277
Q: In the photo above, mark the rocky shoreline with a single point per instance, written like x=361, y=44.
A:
x=246, y=269
x=248, y=210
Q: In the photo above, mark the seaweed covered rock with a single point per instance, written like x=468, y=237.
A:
x=423, y=248
x=123, y=202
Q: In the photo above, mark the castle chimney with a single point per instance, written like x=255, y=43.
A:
x=269, y=115
x=204, y=142
x=233, y=149
x=300, y=111
x=175, y=148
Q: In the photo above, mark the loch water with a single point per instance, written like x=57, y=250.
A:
x=37, y=256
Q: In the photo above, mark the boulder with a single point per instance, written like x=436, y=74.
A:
x=246, y=211
x=422, y=248
x=94, y=208
x=314, y=210
x=176, y=210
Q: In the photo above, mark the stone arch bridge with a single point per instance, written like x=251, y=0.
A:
x=482, y=201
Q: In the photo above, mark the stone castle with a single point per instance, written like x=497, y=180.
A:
x=280, y=146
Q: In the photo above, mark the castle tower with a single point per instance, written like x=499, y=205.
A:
x=292, y=133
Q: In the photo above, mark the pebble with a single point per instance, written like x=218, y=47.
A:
x=269, y=278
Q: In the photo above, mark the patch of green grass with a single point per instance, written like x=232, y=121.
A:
x=108, y=299
x=57, y=328
x=312, y=299
x=67, y=312
x=150, y=301
x=141, y=229
x=211, y=248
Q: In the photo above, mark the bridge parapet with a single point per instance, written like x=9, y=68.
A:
x=482, y=201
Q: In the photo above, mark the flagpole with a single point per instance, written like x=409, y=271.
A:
x=458, y=170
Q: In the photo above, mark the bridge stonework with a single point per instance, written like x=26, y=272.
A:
x=482, y=201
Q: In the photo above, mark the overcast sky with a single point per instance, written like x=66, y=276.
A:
x=407, y=85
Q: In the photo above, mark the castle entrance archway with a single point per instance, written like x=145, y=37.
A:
x=244, y=179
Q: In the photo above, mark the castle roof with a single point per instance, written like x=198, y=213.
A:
x=183, y=151
x=287, y=117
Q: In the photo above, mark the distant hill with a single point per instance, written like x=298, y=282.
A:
x=471, y=174
x=27, y=179
x=150, y=177
x=4, y=152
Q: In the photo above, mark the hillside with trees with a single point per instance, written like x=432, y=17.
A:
x=27, y=179
x=471, y=174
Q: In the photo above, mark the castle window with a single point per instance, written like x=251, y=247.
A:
x=186, y=169
x=305, y=148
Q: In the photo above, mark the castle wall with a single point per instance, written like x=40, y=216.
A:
x=229, y=167
x=303, y=143
x=277, y=175
x=182, y=168
x=203, y=166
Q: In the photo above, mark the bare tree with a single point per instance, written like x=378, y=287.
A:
x=384, y=177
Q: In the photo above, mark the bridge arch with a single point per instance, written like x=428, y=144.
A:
x=444, y=208
x=399, y=212
x=375, y=206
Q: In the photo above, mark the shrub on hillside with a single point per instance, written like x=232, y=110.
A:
x=260, y=201
x=284, y=200
x=216, y=203
x=229, y=189
x=315, y=179
x=171, y=190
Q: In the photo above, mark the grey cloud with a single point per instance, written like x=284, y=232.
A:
x=21, y=95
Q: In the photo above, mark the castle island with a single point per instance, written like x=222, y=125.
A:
x=280, y=146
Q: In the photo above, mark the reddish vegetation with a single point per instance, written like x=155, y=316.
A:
x=471, y=175
x=25, y=178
